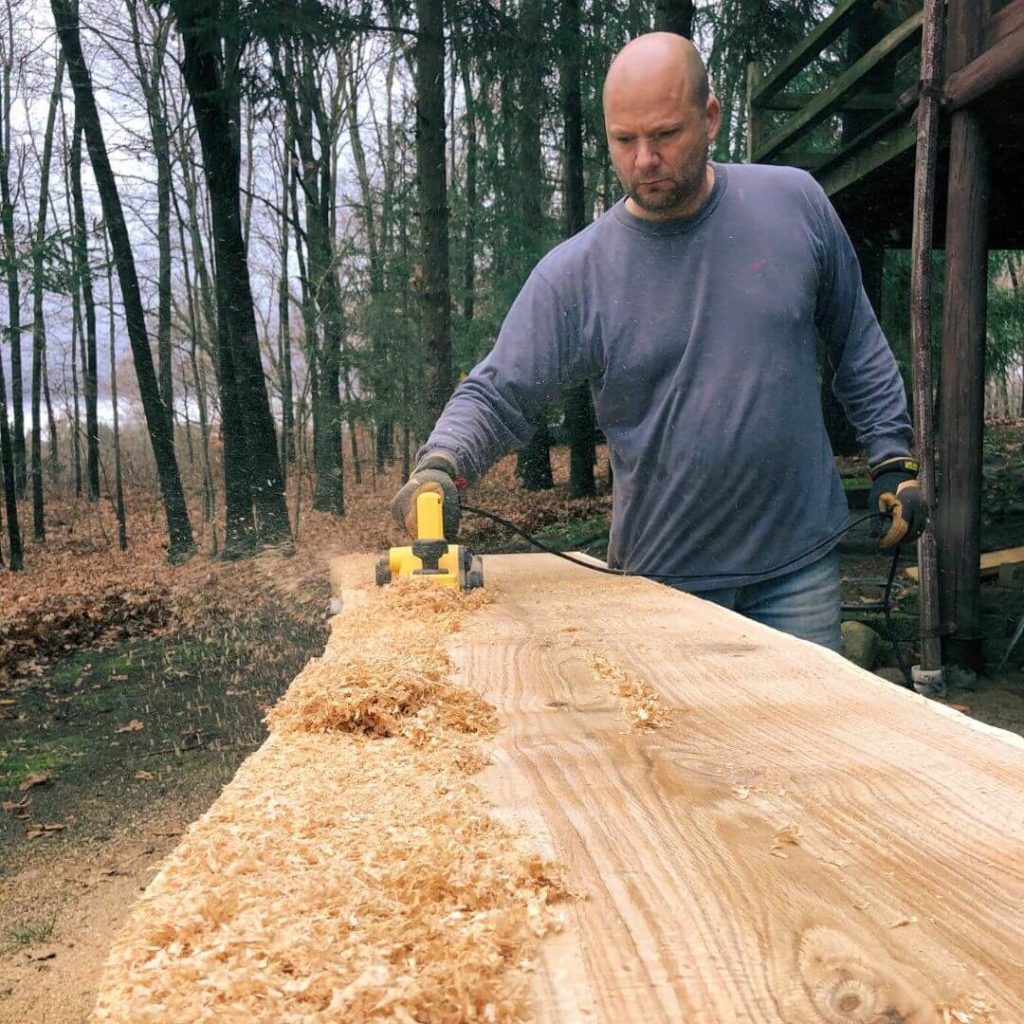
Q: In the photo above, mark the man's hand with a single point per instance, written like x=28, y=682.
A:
x=895, y=491
x=435, y=472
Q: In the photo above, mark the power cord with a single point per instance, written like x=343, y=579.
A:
x=883, y=605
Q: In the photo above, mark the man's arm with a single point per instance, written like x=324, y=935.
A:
x=867, y=380
x=868, y=383
x=538, y=352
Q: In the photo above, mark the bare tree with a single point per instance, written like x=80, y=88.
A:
x=38, y=322
x=181, y=543
x=11, y=253
x=211, y=53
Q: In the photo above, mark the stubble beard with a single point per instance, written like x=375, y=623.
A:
x=687, y=185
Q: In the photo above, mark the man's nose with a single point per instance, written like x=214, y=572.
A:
x=647, y=155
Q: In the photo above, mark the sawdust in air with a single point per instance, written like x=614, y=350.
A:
x=350, y=871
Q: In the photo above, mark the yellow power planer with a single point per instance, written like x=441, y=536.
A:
x=430, y=557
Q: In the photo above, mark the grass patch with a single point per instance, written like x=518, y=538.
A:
x=575, y=533
x=26, y=934
x=20, y=758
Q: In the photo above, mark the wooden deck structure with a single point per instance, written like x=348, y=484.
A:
x=842, y=104
x=799, y=842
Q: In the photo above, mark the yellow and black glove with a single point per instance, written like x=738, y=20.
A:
x=436, y=472
x=896, y=493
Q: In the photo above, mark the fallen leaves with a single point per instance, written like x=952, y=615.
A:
x=37, y=831
x=35, y=779
x=19, y=808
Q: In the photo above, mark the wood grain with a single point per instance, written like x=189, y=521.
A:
x=803, y=843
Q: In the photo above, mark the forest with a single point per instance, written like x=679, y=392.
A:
x=245, y=243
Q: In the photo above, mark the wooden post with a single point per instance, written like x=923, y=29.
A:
x=928, y=675
x=755, y=72
x=962, y=394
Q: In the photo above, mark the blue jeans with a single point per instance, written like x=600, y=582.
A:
x=804, y=603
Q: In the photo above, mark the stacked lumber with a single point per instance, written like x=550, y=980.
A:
x=751, y=828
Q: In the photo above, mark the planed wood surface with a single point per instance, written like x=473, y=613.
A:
x=803, y=843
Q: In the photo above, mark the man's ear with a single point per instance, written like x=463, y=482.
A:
x=713, y=114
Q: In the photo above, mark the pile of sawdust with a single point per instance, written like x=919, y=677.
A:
x=349, y=872
x=385, y=665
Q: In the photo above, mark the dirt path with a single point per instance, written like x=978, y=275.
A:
x=67, y=903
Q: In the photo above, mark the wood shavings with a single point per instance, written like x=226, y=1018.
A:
x=789, y=835
x=902, y=922
x=642, y=706
x=979, y=1012
x=348, y=872
x=386, y=669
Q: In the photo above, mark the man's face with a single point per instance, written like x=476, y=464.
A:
x=658, y=140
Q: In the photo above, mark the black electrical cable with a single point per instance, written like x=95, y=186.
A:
x=508, y=524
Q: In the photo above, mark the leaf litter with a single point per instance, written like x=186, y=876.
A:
x=350, y=871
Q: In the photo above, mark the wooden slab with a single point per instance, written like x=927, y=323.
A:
x=989, y=562
x=804, y=843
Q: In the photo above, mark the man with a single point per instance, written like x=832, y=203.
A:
x=692, y=307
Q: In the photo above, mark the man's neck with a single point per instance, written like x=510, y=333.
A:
x=684, y=211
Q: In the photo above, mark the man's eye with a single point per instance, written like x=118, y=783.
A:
x=624, y=140
x=668, y=133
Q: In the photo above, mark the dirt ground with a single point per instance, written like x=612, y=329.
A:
x=133, y=733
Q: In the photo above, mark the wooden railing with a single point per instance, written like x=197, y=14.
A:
x=825, y=124
x=854, y=91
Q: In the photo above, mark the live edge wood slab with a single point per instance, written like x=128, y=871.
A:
x=802, y=842
x=795, y=842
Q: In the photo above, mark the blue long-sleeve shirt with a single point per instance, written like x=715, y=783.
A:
x=698, y=339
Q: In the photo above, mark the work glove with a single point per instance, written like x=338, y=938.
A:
x=895, y=492
x=435, y=472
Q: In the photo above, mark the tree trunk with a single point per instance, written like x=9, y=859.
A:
x=305, y=108
x=52, y=453
x=674, y=16
x=38, y=323
x=181, y=544
x=472, y=158
x=434, y=284
x=122, y=525
x=11, y=260
x=214, y=103
x=379, y=372
x=535, y=459
x=284, y=321
x=15, y=554
x=579, y=412
x=76, y=422
x=83, y=276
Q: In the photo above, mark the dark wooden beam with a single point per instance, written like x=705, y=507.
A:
x=928, y=676
x=898, y=42
x=1004, y=61
x=808, y=49
x=1004, y=23
x=799, y=100
x=962, y=388
x=842, y=175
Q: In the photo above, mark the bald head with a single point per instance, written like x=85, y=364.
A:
x=658, y=61
x=660, y=119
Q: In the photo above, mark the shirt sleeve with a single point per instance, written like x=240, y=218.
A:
x=493, y=410
x=866, y=379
